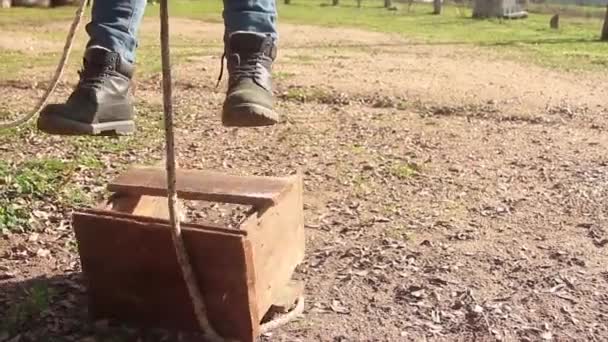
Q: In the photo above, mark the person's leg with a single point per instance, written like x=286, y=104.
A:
x=251, y=46
x=115, y=25
x=101, y=102
x=251, y=16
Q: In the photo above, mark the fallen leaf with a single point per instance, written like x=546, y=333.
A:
x=426, y=243
x=556, y=288
x=433, y=327
x=600, y=242
x=337, y=307
x=417, y=294
x=382, y=219
x=43, y=253
x=437, y=281
x=477, y=309
x=40, y=214
x=361, y=273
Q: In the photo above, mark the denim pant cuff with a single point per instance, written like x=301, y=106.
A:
x=251, y=22
x=115, y=23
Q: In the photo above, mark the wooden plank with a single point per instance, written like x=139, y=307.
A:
x=142, y=205
x=155, y=220
x=149, y=206
x=204, y=185
x=132, y=274
x=277, y=237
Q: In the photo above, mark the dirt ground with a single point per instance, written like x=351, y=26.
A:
x=450, y=195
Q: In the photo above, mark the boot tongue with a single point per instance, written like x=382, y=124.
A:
x=246, y=43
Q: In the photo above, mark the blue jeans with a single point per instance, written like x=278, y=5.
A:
x=115, y=23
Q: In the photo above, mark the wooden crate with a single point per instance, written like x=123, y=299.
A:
x=130, y=266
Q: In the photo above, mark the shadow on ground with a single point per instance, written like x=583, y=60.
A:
x=54, y=309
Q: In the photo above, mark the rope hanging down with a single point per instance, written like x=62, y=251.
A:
x=69, y=42
x=182, y=256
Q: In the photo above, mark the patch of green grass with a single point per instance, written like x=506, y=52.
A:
x=31, y=180
x=301, y=59
x=34, y=17
x=4, y=169
x=358, y=149
x=75, y=196
x=38, y=178
x=308, y=94
x=37, y=300
x=282, y=75
x=15, y=62
x=297, y=94
x=574, y=46
x=360, y=184
x=89, y=160
x=399, y=233
x=41, y=179
x=568, y=10
x=12, y=215
x=405, y=170
x=102, y=144
x=149, y=61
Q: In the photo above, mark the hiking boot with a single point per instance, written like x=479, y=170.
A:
x=249, y=101
x=100, y=104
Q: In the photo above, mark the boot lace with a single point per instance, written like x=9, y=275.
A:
x=246, y=68
x=92, y=76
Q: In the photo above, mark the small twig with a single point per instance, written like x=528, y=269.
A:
x=483, y=312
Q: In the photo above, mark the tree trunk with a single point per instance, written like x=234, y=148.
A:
x=388, y=3
x=359, y=3
x=436, y=6
x=335, y=2
x=287, y=2
x=605, y=27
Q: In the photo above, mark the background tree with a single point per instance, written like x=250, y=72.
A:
x=388, y=3
x=605, y=27
x=410, y=3
x=437, y=6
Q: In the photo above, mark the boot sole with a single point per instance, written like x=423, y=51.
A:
x=51, y=124
x=249, y=115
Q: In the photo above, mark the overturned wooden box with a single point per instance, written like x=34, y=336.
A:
x=130, y=266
